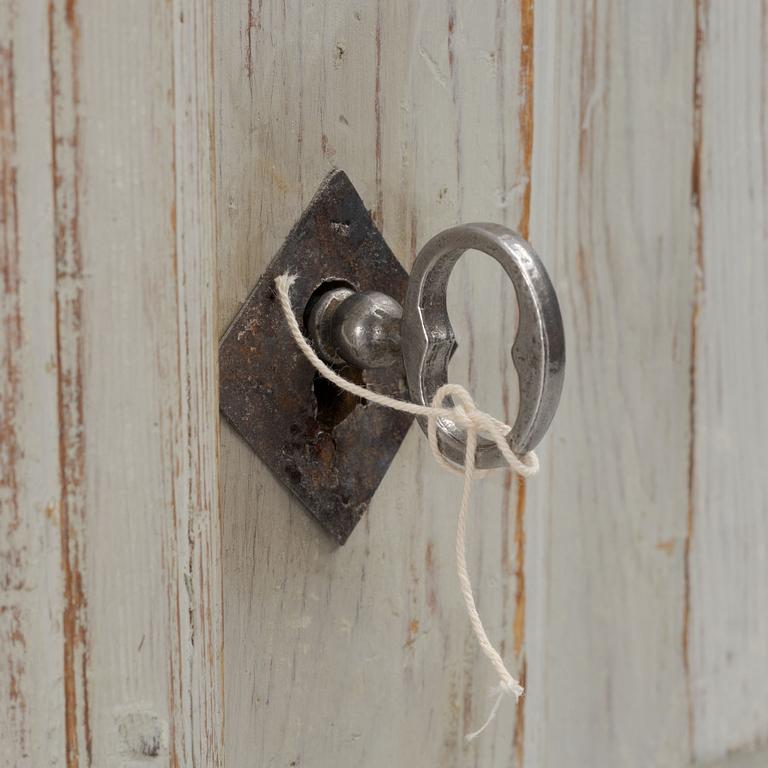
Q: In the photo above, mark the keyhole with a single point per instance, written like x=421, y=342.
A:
x=483, y=311
x=333, y=405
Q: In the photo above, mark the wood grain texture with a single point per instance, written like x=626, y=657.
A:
x=728, y=637
x=111, y=601
x=613, y=148
x=362, y=655
x=154, y=155
x=153, y=631
x=586, y=125
x=32, y=576
x=739, y=760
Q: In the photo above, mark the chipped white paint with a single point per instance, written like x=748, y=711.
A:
x=362, y=655
x=613, y=206
x=152, y=154
x=383, y=674
x=729, y=545
x=111, y=590
x=31, y=579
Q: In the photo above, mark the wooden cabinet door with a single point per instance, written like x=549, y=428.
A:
x=165, y=601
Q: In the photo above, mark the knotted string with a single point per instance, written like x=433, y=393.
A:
x=465, y=414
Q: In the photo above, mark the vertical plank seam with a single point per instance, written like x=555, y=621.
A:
x=194, y=563
x=588, y=80
x=525, y=112
x=177, y=742
x=764, y=105
x=213, y=158
x=458, y=148
x=698, y=288
x=12, y=554
x=70, y=357
x=453, y=72
x=378, y=215
x=525, y=120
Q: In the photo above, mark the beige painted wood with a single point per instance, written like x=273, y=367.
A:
x=612, y=205
x=362, y=655
x=729, y=504
x=154, y=155
x=110, y=609
x=328, y=642
x=32, y=688
x=739, y=760
x=583, y=116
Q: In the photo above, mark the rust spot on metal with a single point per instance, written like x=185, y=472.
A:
x=329, y=448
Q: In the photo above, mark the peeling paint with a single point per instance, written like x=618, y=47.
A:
x=64, y=59
x=698, y=288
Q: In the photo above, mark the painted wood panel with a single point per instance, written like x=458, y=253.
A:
x=111, y=596
x=32, y=579
x=612, y=205
x=581, y=123
x=740, y=760
x=153, y=156
x=728, y=637
x=598, y=122
x=362, y=655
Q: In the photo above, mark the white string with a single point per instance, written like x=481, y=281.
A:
x=465, y=414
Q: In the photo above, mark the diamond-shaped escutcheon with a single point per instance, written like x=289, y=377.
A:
x=327, y=446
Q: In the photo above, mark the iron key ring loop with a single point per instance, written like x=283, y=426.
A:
x=538, y=353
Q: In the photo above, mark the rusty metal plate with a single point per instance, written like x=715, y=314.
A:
x=330, y=448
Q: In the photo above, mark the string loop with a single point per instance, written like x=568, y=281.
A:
x=474, y=422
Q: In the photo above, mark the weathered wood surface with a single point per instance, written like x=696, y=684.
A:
x=612, y=204
x=32, y=571
x=739, y=760
x=728, y=633
x=110, y=589
x=584, y=117
x=154, y=154
x=362, y=655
